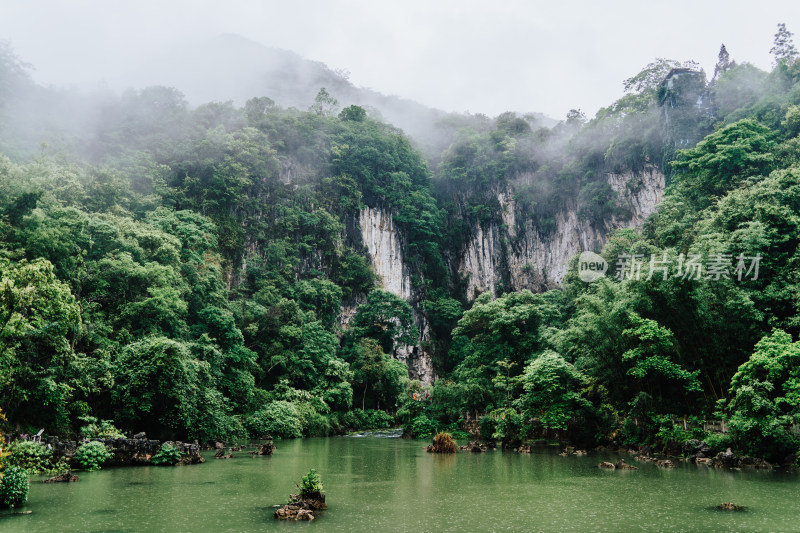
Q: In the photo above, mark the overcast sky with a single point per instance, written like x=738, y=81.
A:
x=462, y=55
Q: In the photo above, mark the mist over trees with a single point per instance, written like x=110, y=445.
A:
x=195, y=270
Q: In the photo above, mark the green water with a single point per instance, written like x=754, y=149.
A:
x=381, y=484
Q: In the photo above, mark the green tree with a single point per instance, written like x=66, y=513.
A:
x=765, y=398
x=386, y=318
x=783, y=49
x=552, y=391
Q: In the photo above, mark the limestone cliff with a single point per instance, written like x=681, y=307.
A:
x=385, y=246
x=510, y=250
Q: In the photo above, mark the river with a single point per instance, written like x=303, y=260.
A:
x=390, y=484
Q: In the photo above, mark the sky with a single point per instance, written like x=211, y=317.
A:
x=480, y=57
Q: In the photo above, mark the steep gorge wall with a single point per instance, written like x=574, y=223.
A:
x=385, y=246
x=514, y=251
x=511, y=250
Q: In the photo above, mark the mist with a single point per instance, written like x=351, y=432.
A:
x=457, y=57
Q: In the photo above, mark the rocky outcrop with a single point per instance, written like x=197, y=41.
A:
x=383, y=241
x=66, y=477
x=728, y=459
x=266, y=448
x=729, y=506
x=475, y=447
x=514, y=250
x=384, y=244
x=125, y=452
x=622, y=465
x=302, y=507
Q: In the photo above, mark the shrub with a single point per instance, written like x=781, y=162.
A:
x=366, y=419
x=104, y=429
x=422, y=427
x=509, y=426
x=443, y=443
x=311, y=484
x=380, y=420
x=32, y=457
x=488, y=425
x=92, y=455
x=278, y=419
x=317, y=425
x=13, y=486
x=167, y=455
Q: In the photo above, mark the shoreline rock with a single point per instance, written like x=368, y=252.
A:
x=302, y=508
x=66, y=477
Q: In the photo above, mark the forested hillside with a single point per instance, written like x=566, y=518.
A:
x=223, y=271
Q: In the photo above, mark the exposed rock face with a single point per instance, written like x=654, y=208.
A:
x=384, y=244
x=385, y=249
x=512, y=250
x=520, y=254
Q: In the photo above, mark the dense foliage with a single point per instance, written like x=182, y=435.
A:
x=200, y=274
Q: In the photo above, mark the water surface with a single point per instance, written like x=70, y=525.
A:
x=388, y=484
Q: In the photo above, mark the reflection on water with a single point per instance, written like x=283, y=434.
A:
x=388, y=484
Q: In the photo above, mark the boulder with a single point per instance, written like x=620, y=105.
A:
x=606, y=464
x=66, y=477
x=728, y=506
x=622, y=465
x=665, y=463
x=302, y=507
x=726, y=459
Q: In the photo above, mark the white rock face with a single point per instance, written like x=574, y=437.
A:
x=385, y=250
x=536, y=261
x=515, y=251
x=386, y=254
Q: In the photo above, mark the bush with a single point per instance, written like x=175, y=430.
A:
x=167, y=455
x=33, y=458
x=92, y=455
x=378, y=419
x=104, y=429
x=455, y=430
x=13, y=486
x=509, y=427
x=278, y=419
x=358, y=419
x=421, y=427
x=488, y=425
x=443, y=443
x=311, y=484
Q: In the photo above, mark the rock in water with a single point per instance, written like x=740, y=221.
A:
x=66, y=477
x=728, y=506
x=606, y=464
x=302, y=508
x=622, y=465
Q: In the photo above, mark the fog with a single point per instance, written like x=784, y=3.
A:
x=455, y=56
